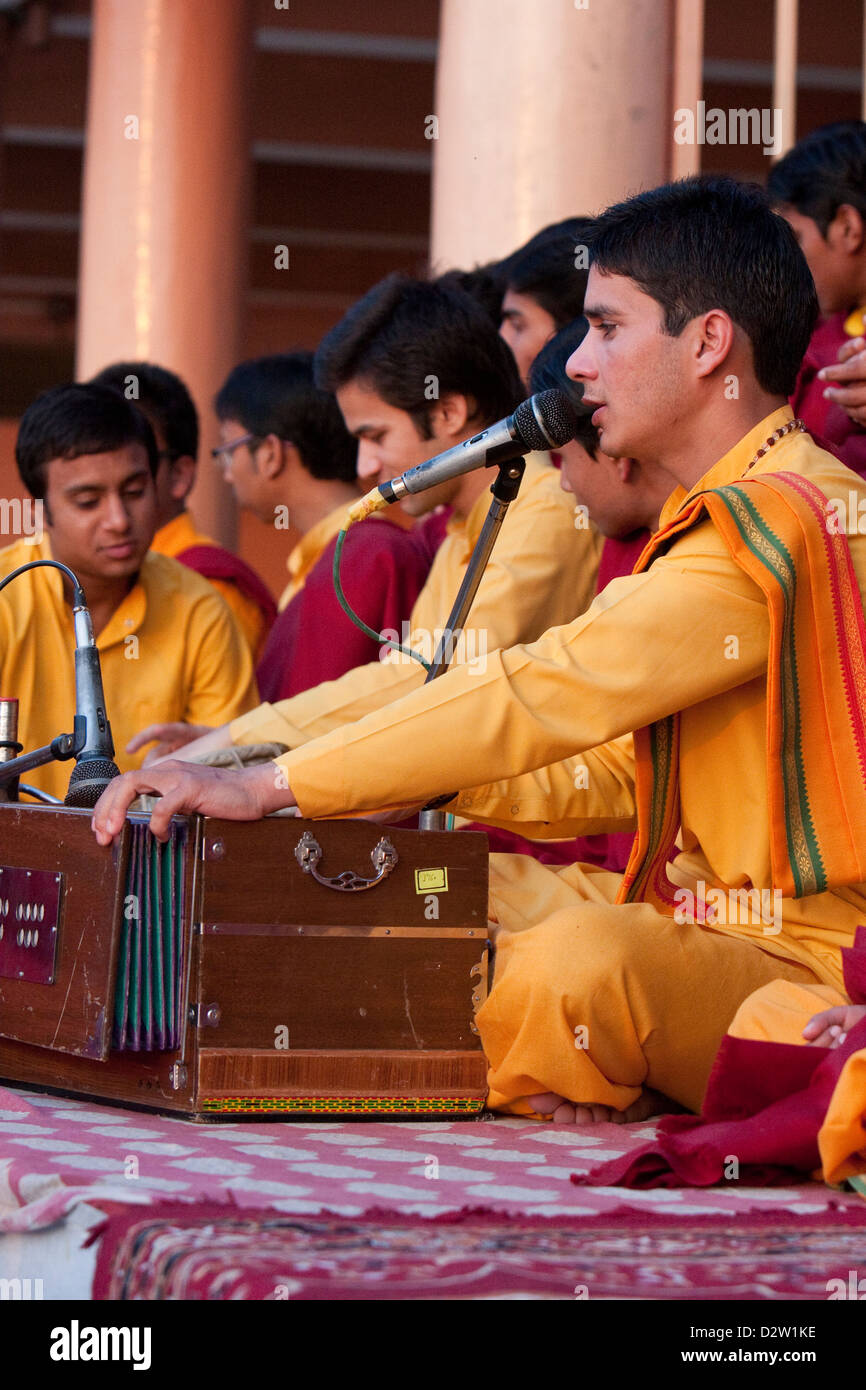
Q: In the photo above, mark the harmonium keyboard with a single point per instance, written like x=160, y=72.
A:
x=283, y=967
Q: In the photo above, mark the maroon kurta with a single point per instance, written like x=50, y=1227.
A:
x=383, y=569
x=825, y=419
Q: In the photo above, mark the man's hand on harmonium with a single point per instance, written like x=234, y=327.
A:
x=187, y=787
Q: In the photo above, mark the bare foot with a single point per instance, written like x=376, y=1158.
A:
x=566, y=1112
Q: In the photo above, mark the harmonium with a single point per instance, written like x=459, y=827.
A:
x=286, y=967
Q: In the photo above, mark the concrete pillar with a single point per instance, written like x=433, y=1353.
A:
x=163, y=252
x=545, y=110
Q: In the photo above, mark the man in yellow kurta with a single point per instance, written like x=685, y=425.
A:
x=380, y=361
x=169, y=647
x=608, y=991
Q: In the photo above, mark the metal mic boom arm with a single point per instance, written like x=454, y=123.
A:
x=504, y=489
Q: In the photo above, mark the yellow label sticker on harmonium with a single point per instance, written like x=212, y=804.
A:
x=431, y=880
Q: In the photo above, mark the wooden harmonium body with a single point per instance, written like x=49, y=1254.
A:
x=284, y=966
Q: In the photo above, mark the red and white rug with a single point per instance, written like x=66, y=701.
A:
x=462, y=1201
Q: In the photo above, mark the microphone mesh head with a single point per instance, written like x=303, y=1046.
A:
x=89, y=780
x=546, y=421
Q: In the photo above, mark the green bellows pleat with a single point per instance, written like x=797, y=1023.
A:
x=148, y=995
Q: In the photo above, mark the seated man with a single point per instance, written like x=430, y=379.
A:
x=287, y=450
x=169, y=407
x=820, y=188
x=418, y=368
x=545, y=281
x=611, y=994
x=169, y=647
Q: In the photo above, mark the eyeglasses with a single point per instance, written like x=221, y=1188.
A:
x=223, y=452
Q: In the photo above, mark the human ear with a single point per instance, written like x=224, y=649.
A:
x=181, y=477
x=713, y=340
x=847, y=231
x=272, y=457
x=451, y=414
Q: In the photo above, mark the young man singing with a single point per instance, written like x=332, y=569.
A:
x=736, y=655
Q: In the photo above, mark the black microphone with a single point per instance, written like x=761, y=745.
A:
x=94, y=761
x=545, y=421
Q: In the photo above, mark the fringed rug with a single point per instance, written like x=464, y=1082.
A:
x=211, y=1253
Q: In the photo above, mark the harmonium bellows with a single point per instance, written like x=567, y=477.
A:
x=279, y=967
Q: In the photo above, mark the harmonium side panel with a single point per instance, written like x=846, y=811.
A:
x=58, y=1016
x=60, y=902
x=316, y=1000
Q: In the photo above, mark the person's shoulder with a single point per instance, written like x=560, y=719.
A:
x=372, y=551
x=166, y=579
x=20, y=552
x=808, y=457
x=376, y=536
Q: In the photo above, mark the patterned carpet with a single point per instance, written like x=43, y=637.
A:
x=172, y=1253
x=463, y=1209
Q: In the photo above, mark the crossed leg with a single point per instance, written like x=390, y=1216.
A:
x=608, y=1011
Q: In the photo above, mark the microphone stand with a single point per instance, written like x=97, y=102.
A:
x=504, y=489
x=59, y=749
x=64, y=746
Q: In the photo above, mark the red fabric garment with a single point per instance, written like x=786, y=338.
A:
x=619, y=555
x=765, y=1104
x=383, y=569
x=824, y=419
x=212, y=562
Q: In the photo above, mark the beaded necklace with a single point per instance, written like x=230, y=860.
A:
x=792, y=427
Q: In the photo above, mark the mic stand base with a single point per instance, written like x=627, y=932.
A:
x=504, y=489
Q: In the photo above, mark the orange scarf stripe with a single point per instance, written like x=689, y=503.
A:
x=777, y=529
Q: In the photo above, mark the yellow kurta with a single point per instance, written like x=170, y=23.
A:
x=308, y=549
x=543, y=571
x=180, y=534
x=690, y=635
x=171, y=651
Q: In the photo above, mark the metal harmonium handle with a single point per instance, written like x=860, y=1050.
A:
x=384, y=857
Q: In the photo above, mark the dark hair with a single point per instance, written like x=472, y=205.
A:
x=712, y=243
x=485, y=283
x=406, y=336
x=822, y=171
x=547, y=373
x=549, y=269
x=69, y=421
x=164, y=399
x=277, y=395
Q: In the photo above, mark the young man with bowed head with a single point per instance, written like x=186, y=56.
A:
x=168, y=645
x=163, y=397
